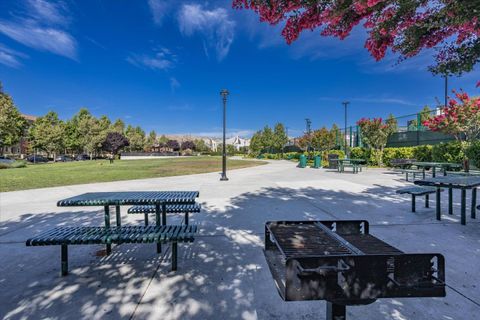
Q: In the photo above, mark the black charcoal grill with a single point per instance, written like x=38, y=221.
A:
x=340, y=262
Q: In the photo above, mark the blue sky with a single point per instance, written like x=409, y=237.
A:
x=161, y=64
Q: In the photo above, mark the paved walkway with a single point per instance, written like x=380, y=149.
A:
x=223, y=275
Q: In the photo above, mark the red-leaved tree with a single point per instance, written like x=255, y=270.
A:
x=461, y=118
x=405, y=26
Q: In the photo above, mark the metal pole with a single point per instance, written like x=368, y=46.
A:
x=446, y=90
x=345, y=104
x=224, y=93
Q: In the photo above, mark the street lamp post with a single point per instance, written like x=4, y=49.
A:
x=224, y=93
x=345, y=104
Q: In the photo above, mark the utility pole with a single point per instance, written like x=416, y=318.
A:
x=224, y=93
x=345, y=104
x=308, y=132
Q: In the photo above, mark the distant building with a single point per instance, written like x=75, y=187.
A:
x=211, y=143
x=22, y=148
x=238, y=142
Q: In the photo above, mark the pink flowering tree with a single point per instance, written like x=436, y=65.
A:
x=406, y=27
x=461, y=118
x=375, y=134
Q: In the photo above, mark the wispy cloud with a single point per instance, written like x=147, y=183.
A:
x=174, y=84
x=10, y=58
x=42, y=27
x=218, y=133
x=215, y=26
x=162, y=59
x=159, y=9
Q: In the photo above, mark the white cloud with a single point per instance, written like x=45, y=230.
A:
x=162, y=59
x=379, y=100
x=10, y=58
x=174, y=84
x=54, y=13
x=42, y=28
x=214, y=25
x=159, y=9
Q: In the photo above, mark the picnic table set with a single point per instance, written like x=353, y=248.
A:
x=355, y=164
x=338, y=261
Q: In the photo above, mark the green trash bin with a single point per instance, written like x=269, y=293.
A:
x=317, y=162
x=303, y=161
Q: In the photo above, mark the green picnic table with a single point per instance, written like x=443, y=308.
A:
x=444, y=166
x=463, y=183
x=356, y=164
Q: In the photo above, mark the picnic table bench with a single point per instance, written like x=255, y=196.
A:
x=402, y=163
x=108, y=235
x=420, y=191
x=175, y=208
x=355, y=164
x=444, y=166
x=65, y=236
x=413, y=172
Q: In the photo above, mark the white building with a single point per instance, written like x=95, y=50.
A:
x=238, y=142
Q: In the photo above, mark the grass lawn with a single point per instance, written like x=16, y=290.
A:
x=78, y=172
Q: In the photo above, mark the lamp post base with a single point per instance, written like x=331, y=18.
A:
x=224, y=178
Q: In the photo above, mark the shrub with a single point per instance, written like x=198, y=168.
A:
x=325, y=154
x=16, y=164
x=397, y=153
x=359, y=153
x=423, y=153
x=448, y=152
x=473, y=153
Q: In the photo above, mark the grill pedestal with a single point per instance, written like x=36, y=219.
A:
x=336, y=311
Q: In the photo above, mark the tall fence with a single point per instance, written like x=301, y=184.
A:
x=410, y=132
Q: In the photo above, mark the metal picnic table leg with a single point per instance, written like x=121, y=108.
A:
x=107, y=225
x=423, y=173
x=427, y=201
x=157, y=218
x=450, y=200
x=474, y=204
x=434, y=172
x=438, y=208
x=64, y=260
x=463, y=207
x=164, y=214
x=413, y=203
x=118, y=216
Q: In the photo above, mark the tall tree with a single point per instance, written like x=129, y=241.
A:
x=151, y=141
x=323, y=139
x=407, y=27
x=280, y=138
x=118, y=126
x=267, y=139
x=47, y=134
x=173, y=144
x=12, y=124
x=136, y=137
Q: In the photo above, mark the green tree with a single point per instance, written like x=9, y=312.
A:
x=48, y=133
x=136, y=137
x=118, y=126
x=92, y=131
x=12, y=124
x=267, y=141
x=392, y=124
x=375, y=134
x=256, y=145
x=151, y=141
x=201, y=145
x=163, y=139
x=323, y=139
x=279, y=139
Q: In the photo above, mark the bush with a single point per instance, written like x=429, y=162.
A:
x=448, y=152
x=397, y=153
x=473, y=153
x=16, y=164
x=360, y=153
x=325, y=154
x=423, y=153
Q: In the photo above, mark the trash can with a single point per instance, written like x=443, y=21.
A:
x=303, y=161
x=317, y=162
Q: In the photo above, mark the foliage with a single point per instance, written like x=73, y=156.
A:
x=136, y=138
x=12, y=124
x=406, y=27
x=201, y=146
x=151, y=141
x=16, y=164
x=188, y=145
x=47, y=133
x=268, y=140
x=173, y=144
x=375, y=134
x=118, y=126
x=473, y=153
x=460, y=118
x=449, y=152
x=323, y=139
x=114, y=142
x=423, y=153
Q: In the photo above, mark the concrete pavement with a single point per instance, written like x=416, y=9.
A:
x=223, y=274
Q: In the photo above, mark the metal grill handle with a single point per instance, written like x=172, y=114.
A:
x=323, y=269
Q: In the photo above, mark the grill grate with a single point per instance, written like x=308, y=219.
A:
x=369, y=244
x=306, y=240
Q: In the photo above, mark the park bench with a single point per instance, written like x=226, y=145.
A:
x=419, y=191
x=65, y=236
x=175, y=208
